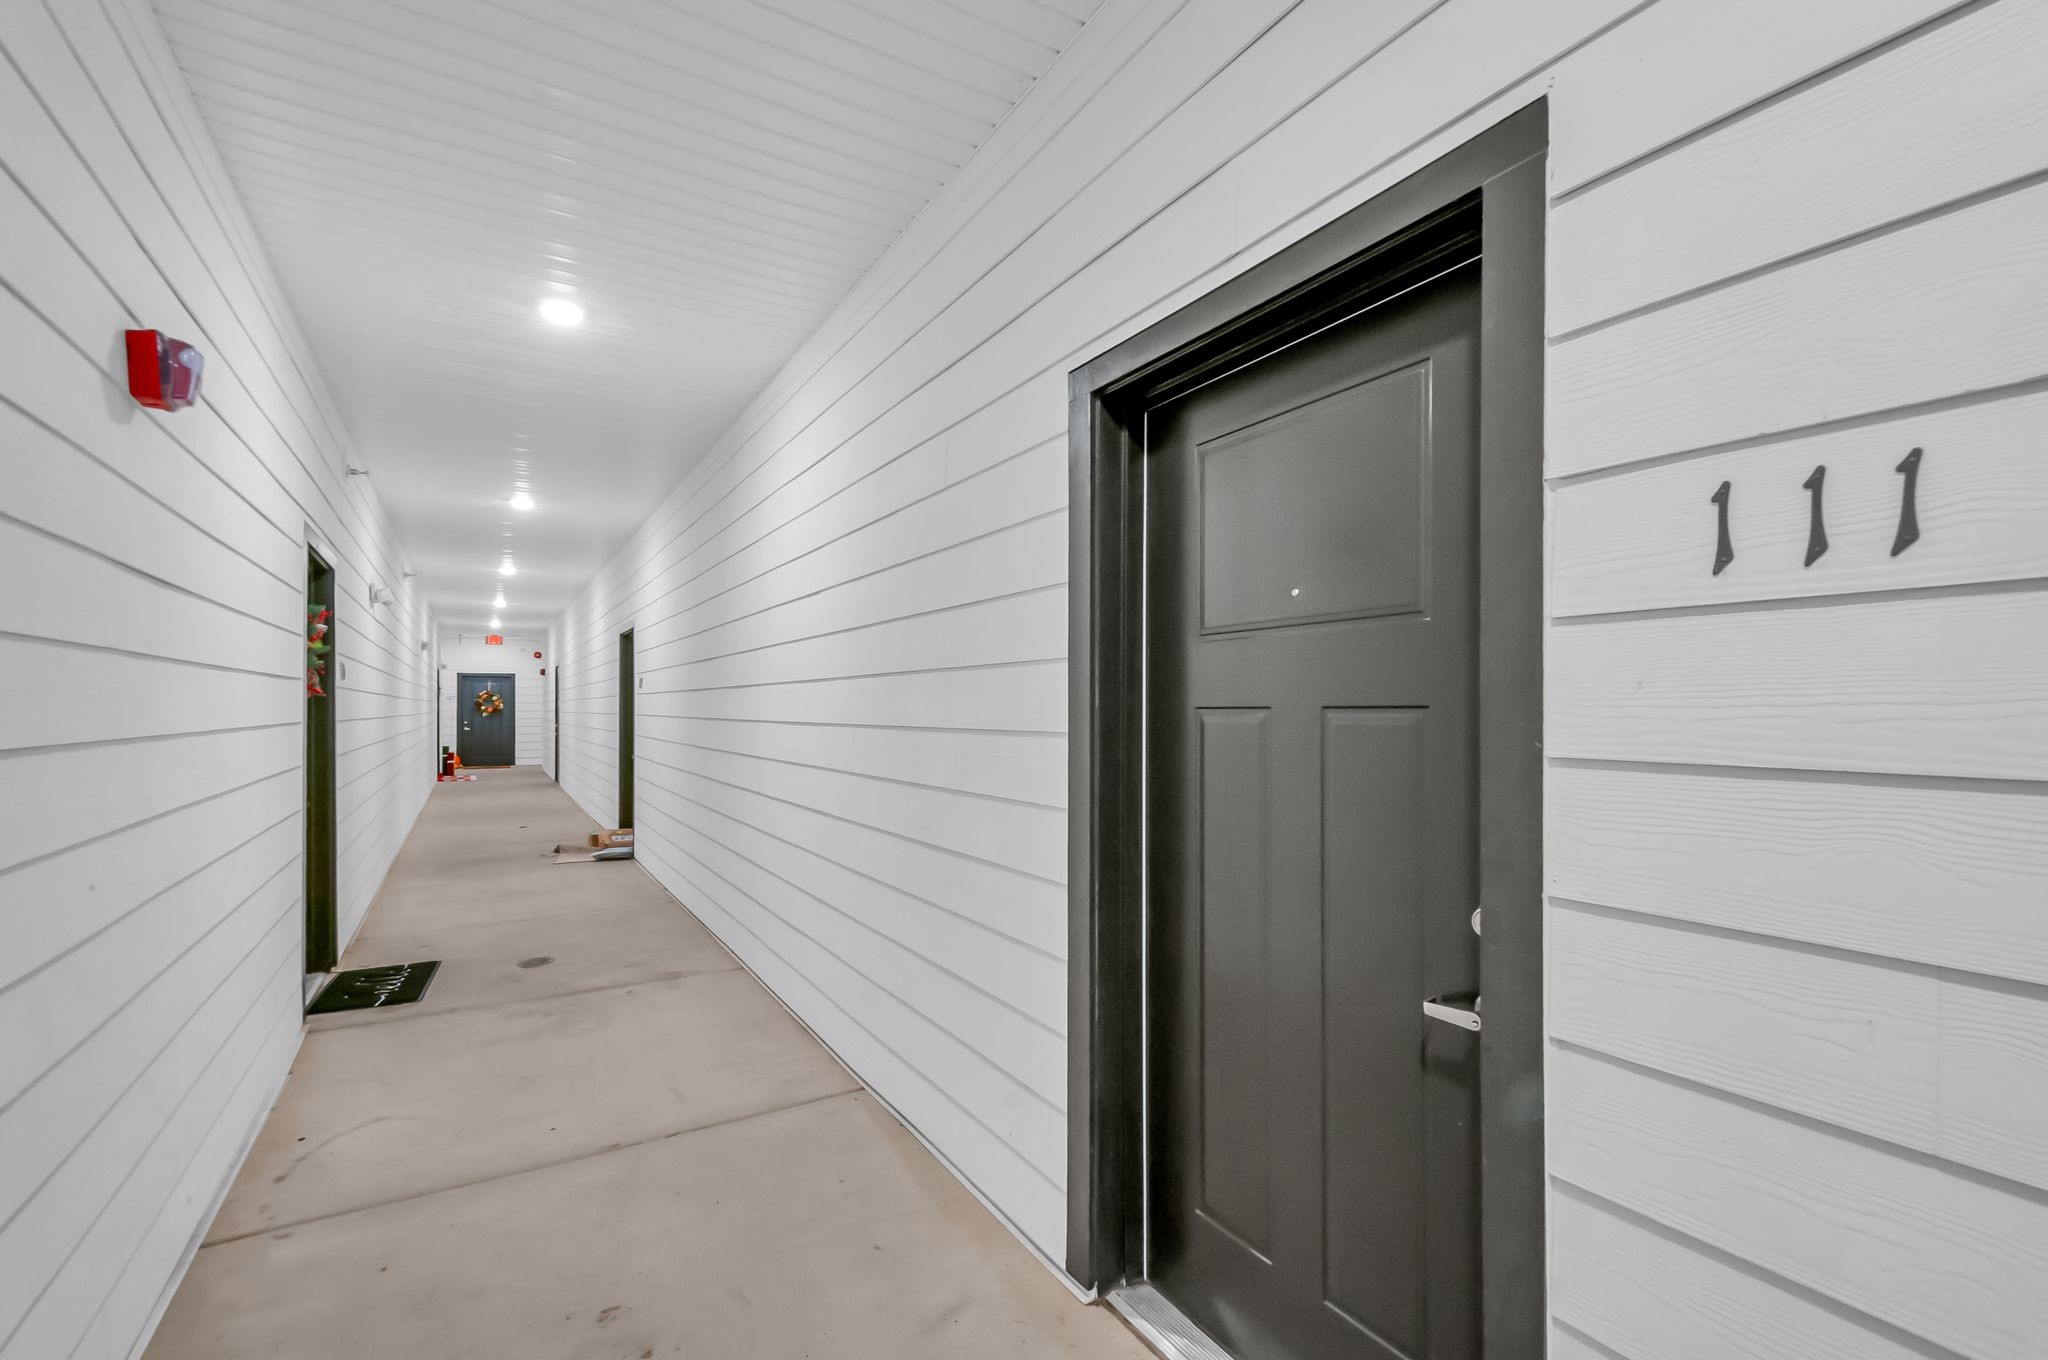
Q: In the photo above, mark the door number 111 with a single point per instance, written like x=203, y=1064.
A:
x=1817, y=532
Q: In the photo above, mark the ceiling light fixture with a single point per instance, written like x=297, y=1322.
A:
x=521, y=501
x=499, y=603
x=560, y=311
x=505, y=568
x=496, y=622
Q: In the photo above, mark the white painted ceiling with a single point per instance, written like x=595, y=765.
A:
x=706, y=177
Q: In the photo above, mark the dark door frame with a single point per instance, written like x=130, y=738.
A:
x=1493, y=186
x=322, y=830
x=511, y=709
x=555, y=696
x=626, y=683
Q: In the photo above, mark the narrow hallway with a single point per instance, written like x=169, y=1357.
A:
x=596, y=1136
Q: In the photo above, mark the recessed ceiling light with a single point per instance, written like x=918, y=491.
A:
x=521, y=501
x=505, y=568
x=495, y=621
x=561, y=311
x=499, y=603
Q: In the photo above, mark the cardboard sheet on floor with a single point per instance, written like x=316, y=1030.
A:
x=591, y=854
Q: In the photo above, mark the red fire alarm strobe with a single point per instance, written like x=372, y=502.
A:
x=493, y=640
x=163, y=373
x=536, y=656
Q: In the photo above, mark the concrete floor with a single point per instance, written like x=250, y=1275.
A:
x=628, y=1151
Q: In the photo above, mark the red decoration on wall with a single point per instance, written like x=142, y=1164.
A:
x=316, y=649
x=163, y=373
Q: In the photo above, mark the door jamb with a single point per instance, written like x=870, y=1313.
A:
x=1498, y=176
x=320, y=843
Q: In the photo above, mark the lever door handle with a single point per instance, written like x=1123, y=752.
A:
x=1446, y=1009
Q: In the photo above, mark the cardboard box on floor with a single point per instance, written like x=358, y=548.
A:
x=618, y=835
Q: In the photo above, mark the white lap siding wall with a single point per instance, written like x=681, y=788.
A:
x=1796, y=825
x=152, y=588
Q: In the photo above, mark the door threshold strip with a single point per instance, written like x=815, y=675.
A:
x=1165, y=1328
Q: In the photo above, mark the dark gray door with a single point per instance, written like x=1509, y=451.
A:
x=1312, y=640
x=627, y=686
x=481, y=738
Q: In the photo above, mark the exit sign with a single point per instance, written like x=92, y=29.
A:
x=493, y=640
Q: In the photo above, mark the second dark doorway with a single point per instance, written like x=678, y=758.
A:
x=626, y=685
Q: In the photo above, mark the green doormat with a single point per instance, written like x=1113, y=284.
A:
x=359, y=988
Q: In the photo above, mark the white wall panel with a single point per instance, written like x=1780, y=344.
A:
x=1942, y=1254
x=151, y=912
x=1802, y=804
x=1841, y=861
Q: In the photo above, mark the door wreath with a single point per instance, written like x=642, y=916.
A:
x=488, y=704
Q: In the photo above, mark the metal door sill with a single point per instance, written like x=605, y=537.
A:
x=1165, y=1328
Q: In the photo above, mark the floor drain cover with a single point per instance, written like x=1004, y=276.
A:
x=538, y=961
x=360, y=988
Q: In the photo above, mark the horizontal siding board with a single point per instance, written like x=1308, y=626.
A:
x=1934, y=685
x=72, y=496
x=1005, y=501
x=1994, y=1079
x=1644, y=1292
x=1681, y=65
x=1853, y=865
x=958, y=938
x=1952, y=114
x=1946, y=306
x=1645, y=538
x=113, y=695
x=1938, y=1253
x=1005, y=562
x=1845, y=1039
x=1003, y=632
x=1029, y=910
x=1029, y=840
x=94, y=791
x=1454, y=58
x=1026, y=767
x=101, y=601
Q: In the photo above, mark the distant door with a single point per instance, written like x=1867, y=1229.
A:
x=557, y=692
x=483, y=737
x=322, y=874
x=626, y=687
x=1313, y=629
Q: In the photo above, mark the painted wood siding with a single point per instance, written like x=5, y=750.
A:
x=1796, y=845
x=468, y=654
x=152, y=573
